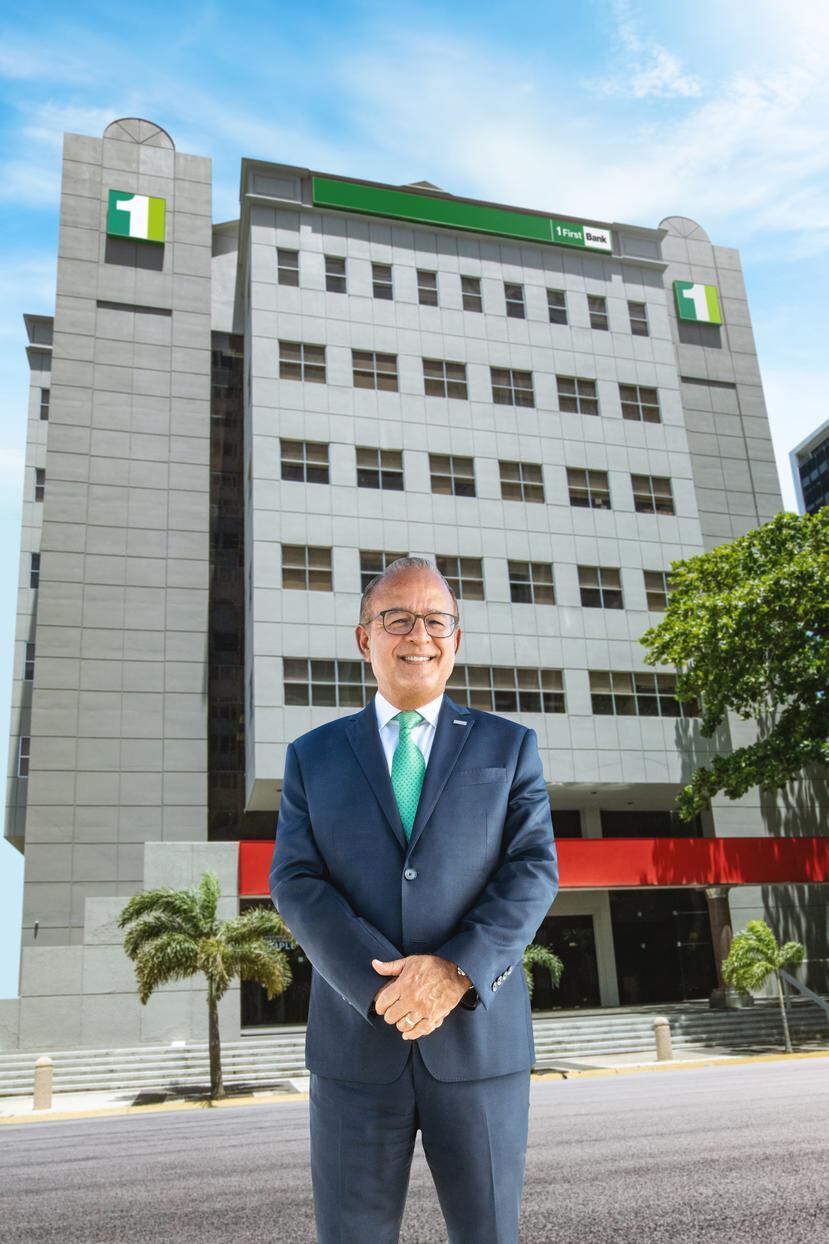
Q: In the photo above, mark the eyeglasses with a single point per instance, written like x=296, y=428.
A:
x=401, y=622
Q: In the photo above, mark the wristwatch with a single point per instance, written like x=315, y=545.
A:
x=470, y=999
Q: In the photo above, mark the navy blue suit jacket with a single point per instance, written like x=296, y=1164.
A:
x=472, y=885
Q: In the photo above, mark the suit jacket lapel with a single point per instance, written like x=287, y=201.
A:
x=447, y=746
x=364, y=738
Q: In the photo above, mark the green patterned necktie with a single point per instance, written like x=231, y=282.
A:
x=407, y=770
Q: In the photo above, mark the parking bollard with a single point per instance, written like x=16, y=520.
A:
x=44, y=1070
x=662, y=1033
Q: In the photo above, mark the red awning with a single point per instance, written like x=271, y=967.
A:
x=616, y=863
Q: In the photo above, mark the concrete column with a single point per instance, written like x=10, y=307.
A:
x=719, y=913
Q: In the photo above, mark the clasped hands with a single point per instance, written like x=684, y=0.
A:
x=423, y=988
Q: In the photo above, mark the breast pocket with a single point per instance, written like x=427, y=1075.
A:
x=476, y=777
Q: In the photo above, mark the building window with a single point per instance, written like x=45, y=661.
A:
x=465, y=576
x=326, y=684
x=427, y=288
x=521, y=481
x=511, y=387
x=557, y=306
x=40, y=483
x=443, y=379
x=567, y=823
x=640, y=403
x=588, y=489
x=597, y=306
x=638, y=313
x=502, y=689
x=287, y=267
x=647, y=823
x=381, y=282
x=29, y=663
x=531, y=583
x=657, y=589
x=373, y=562
x=471, y=293
x=23, y=747
x=307, y=568
x=451, y=475
x=304, y=461
x=44, y=403
x=614, y=694
x=652, y=494
x=577, y=395
x=34, y=570
x=335, y=274
x=379, y=468
x=601, y=587
x=298, y=361
x=374, y=371
x=514, y=295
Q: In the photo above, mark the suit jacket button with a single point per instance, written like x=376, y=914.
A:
x=410, y=874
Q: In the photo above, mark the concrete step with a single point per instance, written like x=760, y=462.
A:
x=278, y=1055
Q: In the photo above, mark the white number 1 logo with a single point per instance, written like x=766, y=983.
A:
x=138, y=208
x=696, y=294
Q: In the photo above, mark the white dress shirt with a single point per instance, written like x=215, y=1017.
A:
x=423, y=734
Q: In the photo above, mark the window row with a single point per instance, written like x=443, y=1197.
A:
x=514, y=300
x=453, y=475
x=308, y=681
x=511, y=386
x=309, y=568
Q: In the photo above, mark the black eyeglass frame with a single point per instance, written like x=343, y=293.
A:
x=433, y=613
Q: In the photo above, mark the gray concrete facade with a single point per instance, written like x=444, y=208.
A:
x=118, y=717
x=117, y=712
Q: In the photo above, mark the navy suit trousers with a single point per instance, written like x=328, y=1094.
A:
x=474, y=1135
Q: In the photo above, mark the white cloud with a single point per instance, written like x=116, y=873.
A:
x=661, y=76
x=648, y=70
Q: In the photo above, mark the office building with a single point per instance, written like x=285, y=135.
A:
x=810, y=469
x=234, y=426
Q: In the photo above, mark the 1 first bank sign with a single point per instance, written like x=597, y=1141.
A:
x=136, y=216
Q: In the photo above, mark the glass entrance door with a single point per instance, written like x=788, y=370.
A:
x=663, y=945
x=572, y=938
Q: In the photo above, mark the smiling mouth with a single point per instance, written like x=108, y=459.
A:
x=413, y=660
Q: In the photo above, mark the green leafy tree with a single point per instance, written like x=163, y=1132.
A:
x=541, y=957
x=174, y=934
x=753, y=956
x=747, y=626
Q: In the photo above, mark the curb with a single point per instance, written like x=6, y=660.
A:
x=103, y=1112
x=722, y=1060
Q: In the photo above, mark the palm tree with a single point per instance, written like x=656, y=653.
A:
x=754, y=955
x=542, y=957
x=175, y=934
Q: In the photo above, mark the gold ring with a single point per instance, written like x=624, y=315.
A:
x=407, y=1019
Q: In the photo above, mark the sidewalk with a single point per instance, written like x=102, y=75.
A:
x=113, y=1102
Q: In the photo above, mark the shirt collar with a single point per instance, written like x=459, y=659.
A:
x=385, y=710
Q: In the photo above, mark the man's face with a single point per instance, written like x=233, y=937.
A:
x=410, y=669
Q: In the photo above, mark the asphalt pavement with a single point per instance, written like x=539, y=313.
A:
x=734, y=1153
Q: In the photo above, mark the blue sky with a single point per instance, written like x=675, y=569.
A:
x=609, y=109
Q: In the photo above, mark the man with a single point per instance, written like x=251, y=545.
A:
x=414, y=861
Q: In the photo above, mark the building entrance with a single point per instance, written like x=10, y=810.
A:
x=663, y=945
x=572, y=938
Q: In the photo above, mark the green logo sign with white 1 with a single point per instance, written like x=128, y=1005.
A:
x=589, y=237
x=699, y=303
x=137, y=216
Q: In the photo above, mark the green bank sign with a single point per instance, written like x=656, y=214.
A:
x=137, y=216
x=699, y=303
x=424, y=209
